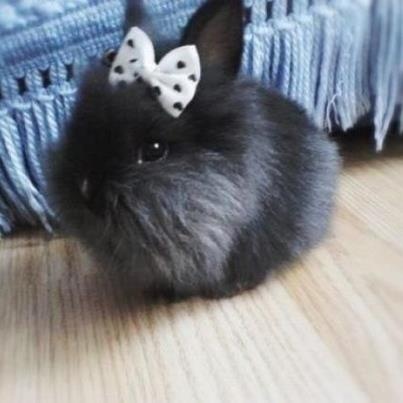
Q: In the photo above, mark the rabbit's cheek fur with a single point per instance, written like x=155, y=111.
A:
x=185, y=225
x=171, y=224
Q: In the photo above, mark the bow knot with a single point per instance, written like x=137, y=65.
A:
x=173, y=80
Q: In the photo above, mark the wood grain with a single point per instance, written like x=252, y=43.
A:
x=328, y=330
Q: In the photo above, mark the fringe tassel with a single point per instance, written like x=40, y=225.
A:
x=26, y=134
x=317, y=58
x=387, y=59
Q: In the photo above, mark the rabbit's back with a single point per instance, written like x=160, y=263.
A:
x=294, y=167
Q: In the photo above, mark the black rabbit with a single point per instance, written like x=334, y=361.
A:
x=206, y=204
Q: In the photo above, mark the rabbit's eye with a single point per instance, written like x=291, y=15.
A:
x=152, y=151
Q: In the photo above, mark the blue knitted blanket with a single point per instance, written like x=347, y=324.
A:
x=340, y=59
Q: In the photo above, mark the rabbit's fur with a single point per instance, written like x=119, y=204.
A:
x=247, y=186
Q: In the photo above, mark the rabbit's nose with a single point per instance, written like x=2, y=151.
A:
x=92, y=191
x=85, y=189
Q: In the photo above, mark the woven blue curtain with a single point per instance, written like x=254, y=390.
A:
x=340, y=59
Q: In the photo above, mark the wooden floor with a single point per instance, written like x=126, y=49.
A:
x=329, y=330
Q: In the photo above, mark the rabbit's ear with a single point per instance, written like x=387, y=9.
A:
x=217, y=31
x=134, y=13
x=136, y=16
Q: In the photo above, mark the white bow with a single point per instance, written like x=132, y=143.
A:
x=174, y=80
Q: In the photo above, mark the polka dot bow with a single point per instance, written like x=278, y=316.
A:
x=173, y=80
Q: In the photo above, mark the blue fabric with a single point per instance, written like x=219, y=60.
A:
x=340, y=59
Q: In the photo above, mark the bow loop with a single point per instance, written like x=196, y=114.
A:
x=174, y=80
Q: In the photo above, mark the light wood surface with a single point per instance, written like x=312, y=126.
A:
x=329, y=330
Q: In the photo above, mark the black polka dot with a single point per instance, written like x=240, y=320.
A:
x=133, y=60
x=178, y=106
x=181, y=64
x=178, y=88
x=136, y=75
x=193, y=77
x=140, y=80
x=122, y=84
x=130, y=42
x=156, y=91
x=118, y=69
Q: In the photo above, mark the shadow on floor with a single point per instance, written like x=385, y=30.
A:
x=357, y=146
